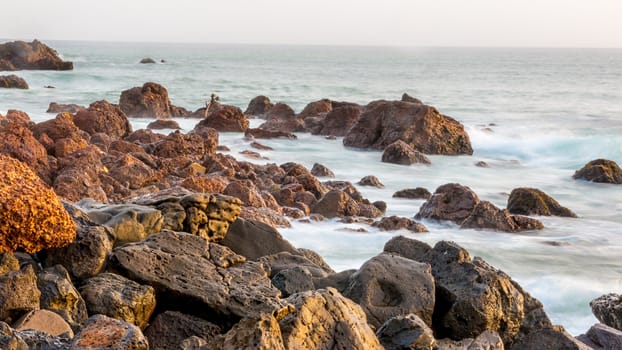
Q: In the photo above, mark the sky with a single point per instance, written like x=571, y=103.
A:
x=488, y=23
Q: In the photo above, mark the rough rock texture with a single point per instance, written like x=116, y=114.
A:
x=60, y=134
x=406, y=247
x=406, y=332
x=10, y=340
x=117, y=297
x=486, y=215
x=531, y=201
x=163, y=124
x=8, y=262
x=370, y=180
x=399, y=152
x=259, y=106
x=60, y=296
x=253, y=239
x=18, y=55
x=413, y=193
x=13, y=82
x=548, y=338
x=339, y=120
x=169, y=329
x=325, y=320
x=282, y=118
x=389, y=285
x=392, y=223
x=225, y=118
x=336, y=203
x=18, y=141
x=209, y=216
x=18, y=294
x=102, y=332
x=420, y=126
x=601, y=336
x=407, y=98
x=256, y=133
x=600, y=170
x=293, y=280
x=104, y=117
x=449, y=202
x=608, y=310
x=284, y=260
x=55, y=107
x=321, y=170
x=262, y=333
x=31, y=216
x=149, y=101
x=199, y=277
x=44, y=321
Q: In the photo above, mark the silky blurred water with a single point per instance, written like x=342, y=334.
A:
x=534, y=115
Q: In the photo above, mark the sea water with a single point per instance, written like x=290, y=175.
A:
x=533, y=115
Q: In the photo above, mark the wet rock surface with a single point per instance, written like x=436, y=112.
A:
x=531, y=201
x=600, y=170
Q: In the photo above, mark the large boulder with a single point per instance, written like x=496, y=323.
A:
x=399, y=152
x=600, y=170
x=18, y=141
x=79, y=175
x=225, y=118
x=103, y=332
x=102, y=116
x=163, y=124
x=149, y=101
x=486, y=215
x=532, y=201
x=339, y=120
x=608, y=309
x=601, y=336
x=13, y=82
x=336, y=203
x=60, y=134
x=32, y=217
x=254, y=239
x=405, y=332
x=17, y=55
x=548, y=338
x=18, y=294
x=282, y=118
x=419, y=125
x=56, y=107
x=59, y=295
x=169, y=329
x=452, y=202
x=196, y=144
x=259, y=106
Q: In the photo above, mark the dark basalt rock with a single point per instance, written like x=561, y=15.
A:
x=147, y=60
x=406, y=332
x=600, y=170
x=608, y=309
x=169, y=329
x=449, y=202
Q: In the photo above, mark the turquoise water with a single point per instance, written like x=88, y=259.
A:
x=551, y=110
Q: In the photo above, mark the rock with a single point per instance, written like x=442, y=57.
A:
x=257, y=133
x=601, y=336
x=209, y=216
x=548, y=338
x=44, y=321
x=316, y=108
x=102, y=332
x=285, y=260
x=487, y=340
x=482, y=164
x=392, y=223
x=339, y=281
x=225, y=118
x=406, y=332
x=17, y=55
x=531, y=201
x=262, y=333
x=10, y=340
x=18, y=141
x=253, y=239
x=32, y=217
x=316, y=259
x=169, y=329
x=13, y=82
x=293, y=280
x=370, y=180
x=608, y=310
x=413, y=193
x=8, y=263
x=486, y=215
x=420, y=126
x=324, y=320
x=147, y=60
x=18, y=294
x=600, y=170
x=399, y=152
x=336, y=203
x=117, y=297
x=141, y=137
x=389, y=285
x=104, y=117
x=196, y=144
x=60, y=296
x=59, y=108
x=321, y=171
x=259, y=106
x=131, y=172
x=163, y=124
x=282, y=118
x=408, y=248
x=258, y=145
x=339, y=121
x=449, y=202
x=407, y=98
x=41, y=340
x=199, y=277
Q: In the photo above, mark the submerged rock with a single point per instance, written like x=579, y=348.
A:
x=17, y=55
x=399, y=152
x=413, y=193
x=147, y=60
x=13, y=82
x=600, y=170
x=486, y=215
x=531, y=201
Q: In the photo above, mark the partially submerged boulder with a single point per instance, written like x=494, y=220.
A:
x=102, y=116
x=13, y=82
x=55, y=107
x=17, y=55
x=532, y=201
x=149, y=101
x=259, y=106
x=225, y=118
x=399, y=152
x=600, y=170
x=452, y=202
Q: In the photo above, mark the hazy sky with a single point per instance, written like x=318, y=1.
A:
x=548, y=23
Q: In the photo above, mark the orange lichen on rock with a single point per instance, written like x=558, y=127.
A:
x=32, y=217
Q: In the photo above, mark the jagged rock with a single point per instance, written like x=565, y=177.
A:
x=293, y=280
x=163, y=124
x=399, y=152
x=18, y=141
x=282, y=118
x=548, y=338
x=406, y=332
x=370, y=180
x=32, y=217
x=486, y=215
x=285, y=260
x=169, y=329
x=339, y=120
x=413, y=193
x=257, y=133
x=209, y=216
x=225, y=118
x=117, y=297
x=601, y=336
x=407, y=98
x=197, y=144
x=408, y=248
x=389, y=285
x=103, y=332
x=13, y=82
x=419, y=125
x=55, y=107
x=9, y=340
x=60, y=296
x=608, y=309
x=131, y=171
x=321, y=170
x=102, y=116
x=253, y=239
x=44, y=321
x=199, y=277
x=324, y=320
x=18, y=294
x=487, y=340
x=262, y=333
x=247, y=192
x=336, y=203
x=141, y=137
x=8, y=263
x=259, y=106
x=449, y=202
x=41, y=340
x=316, y=259
x=392, y=223
x=149, y=101
x=600, y=170
x=17, y=55
x=531, y=201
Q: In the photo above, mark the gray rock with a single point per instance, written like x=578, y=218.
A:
x=486, y=215
x=608, y=309
x=9, y=340
x=40, y=340
x=285, y=260
x=392, y=223
x=449, y=202
x=548, y=338
x=316, y=259
x=408, y=332
x=18, y=294
x=601, y=336
x=8, y=262
x=59, y=295
x=407, y=247
x=399, y=152
x=253, y=239
x=103, y=332
x=294, y=280
x=487, y=340
x=169, y=329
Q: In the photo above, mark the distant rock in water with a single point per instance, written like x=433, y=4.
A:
x=18, y=55
x=531, y=201
x=399, y=152
x=13, y=82
x=600, y=170
x=259, y=106
x=59, y=108
x=149, y=101
x=413, y=193
x=163, y=124
x=225, y=118
x=147, y=60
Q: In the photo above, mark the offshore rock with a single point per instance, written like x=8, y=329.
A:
x=256, y=133
x=321, y=171
x=102, y=116
x=17, y=55
x=59, y=295
x=225, y=118
x=259, y=106
x=413, y=193
x=600, y=170
x=608, y=309
x=399, y=152
x=147, y=60
x=18, y=294
x=282, y=118
x=406, y=332
x=55, y=107
x=392, y=223
x=169, y=329
x=339, y=120
x=419, y=125
x=336, y=203
x=103, y=332
x=531, y=201
x=370, y=180
x=149, y=101
x=449, y=202
x=13, y=82
x=486, y=215
x=32, y=217
x=163, y=124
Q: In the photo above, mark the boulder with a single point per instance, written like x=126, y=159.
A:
x=389, y=285
x=141, y=137
x=486, y=215
x=549, y=338
x=40, y=340
x=17, y=55
x=392, y=223
x=408, y=248
x=257, y=133
x=103, y=332
x=608, y=309
x=163, y=124
x=60, y=134
x=449, y=202
x=601, y=336
x=419, y=125
x=531, y=201
x=147, y=60
x=13, y=82
x=196, y=144
x=370, y=180
x=336, y=203
x=169, y=329
x=247, y=192
x=487, y=340
x=316, y=109
x=149, y=101
x=323, y=320
x=259, y=106
x=132, y=172
x=18, y=294
x=407, y=98
x=60, y=296
x=282, y=261
x=32, y=217
x=254, y=239
x=293, y=280
x=413, y=193
x=199, y=277
x=18, y=141
x=339, y=120
x=8, y=263
x=102, y=116
x=321, y=171
x=55, y=107
x=399, y=152
x=266, y=215
x=117, y=297
x=600, y=170
x=262, y=333
x=282, y=118
x=405, y=332
x=259, y=146
x=209, y=216
x=44, y=321
x=225, y=118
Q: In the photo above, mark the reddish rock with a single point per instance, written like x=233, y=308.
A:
x=486, y=215
x=282, y=118
x=225, y=118
x=247, y=192
x=78, y=175
x=340, y=120
x=204, y=184
x=17, y=141
x=192, y=144
x=531, y=201
x=61, y=127
x=102, y=116
x=370, y=180
x=132, y=172
x=17, y=55
x=265, y=215
x=13, y=82
x=600, y=170
x=124, y=147
x=144, y=136
x=17, y=116
x=399, y=152
x=336, y=203
x=407, y=98
x=316, y=109
x=64, y=147
x=103, y=332
x=420, y=126
x=413, y=193
x=163, y=124
x=392, y=223
x=321, y=170
x=259, y=106
x=149, y=101
x=449, y=202
x=59, y=108
x=257, y=133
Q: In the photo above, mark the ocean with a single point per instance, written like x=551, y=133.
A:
x=534, y=115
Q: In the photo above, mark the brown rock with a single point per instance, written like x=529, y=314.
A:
x=149, y=101
x=142, y=137
x=8, y=263
x=487, y=340
x=257, y=133
x=413, y=193
x=261, y=147
x=62, y=127
x=486, y=215
x=163, y=124
x=17, y=55
x=102, y=332
x=399, y=152
x=339, y=121
x=196, y=144
x=169, y=329
x=336, y=203
x=44, y=321
x=317, y=108
x=13, y=82
x=79, y=175
x=531, y=201
x=262, y=333
x=17, y=141
x=60, y=296
x=254, y=239
x=55, y=107
x=259, y=106
x=321, y=171
x=407, y=98
x=147, y=60
x=449, y=202
x=420, y=126
x=370, y=180
x=204, y=184
x=600, y=170
x=225, y=118
x=392, y=223
x=102, y=116
x=18, y=293
x=282, y=118
x=266, y=215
